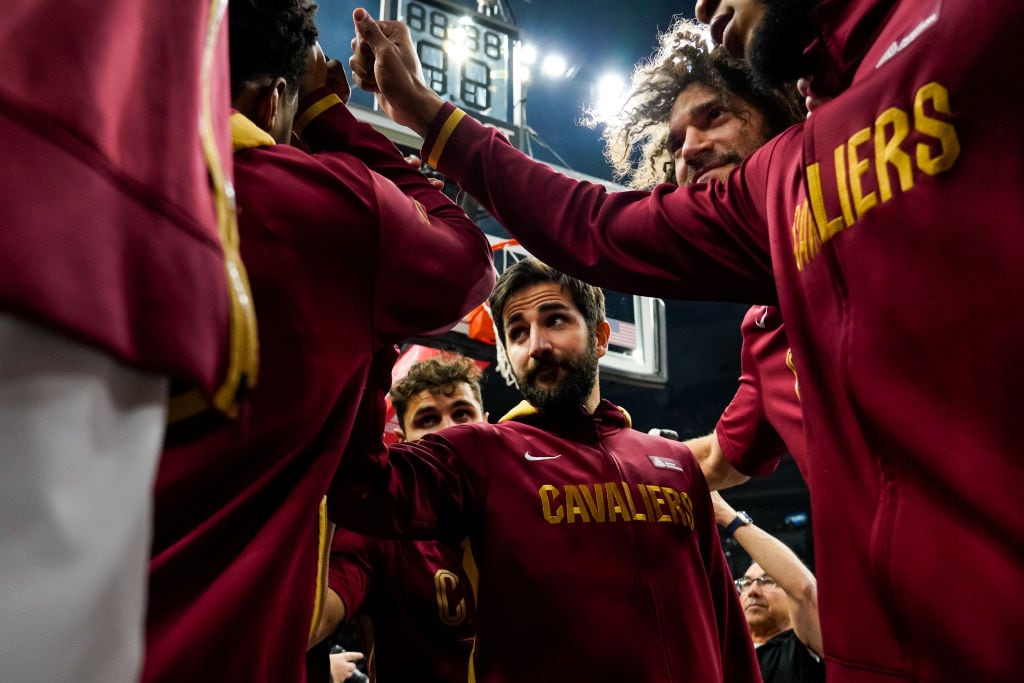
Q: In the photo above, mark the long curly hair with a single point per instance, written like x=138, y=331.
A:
x=270, y=39
x=636, y=140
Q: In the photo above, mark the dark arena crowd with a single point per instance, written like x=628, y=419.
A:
x=253, y=330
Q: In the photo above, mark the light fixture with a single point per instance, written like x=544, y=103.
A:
x=609, y=92
x=554, y=66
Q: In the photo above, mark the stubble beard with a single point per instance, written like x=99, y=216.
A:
x=730, y=157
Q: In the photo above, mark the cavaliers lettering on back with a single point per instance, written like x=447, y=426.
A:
x=813, y=226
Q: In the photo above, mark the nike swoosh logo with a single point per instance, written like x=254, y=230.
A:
x=534, y=458
x=764, y=316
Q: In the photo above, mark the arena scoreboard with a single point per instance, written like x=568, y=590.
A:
x=468, y=58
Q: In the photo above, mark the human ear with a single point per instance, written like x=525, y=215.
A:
x=271, y=99
x=602, y=333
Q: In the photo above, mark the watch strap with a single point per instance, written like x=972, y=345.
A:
x=741, y=519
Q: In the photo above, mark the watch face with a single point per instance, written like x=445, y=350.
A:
x=467, y=58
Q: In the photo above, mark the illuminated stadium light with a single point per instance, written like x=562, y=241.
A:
x=456, y=45
x=609, y=92
x=528, y=55
x=554, y=66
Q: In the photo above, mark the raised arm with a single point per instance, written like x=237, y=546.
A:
x=782, y=564
x=331, y=617
x=434, y=264
x=349, y=578
x=383, y=63
x=702, y=242
x=419, y=489
x=718, y=471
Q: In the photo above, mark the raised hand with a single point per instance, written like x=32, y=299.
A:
x=384, y=61
x=321, y=72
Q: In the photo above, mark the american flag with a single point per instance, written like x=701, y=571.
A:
x=623, y=334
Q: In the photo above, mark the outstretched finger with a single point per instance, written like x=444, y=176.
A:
x=368, y=34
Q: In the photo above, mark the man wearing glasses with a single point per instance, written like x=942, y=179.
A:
x=779, y=595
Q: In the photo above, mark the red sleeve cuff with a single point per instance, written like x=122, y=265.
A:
x=315, y=104
x=440, y=130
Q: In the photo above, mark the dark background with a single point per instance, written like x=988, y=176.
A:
x=703, y=338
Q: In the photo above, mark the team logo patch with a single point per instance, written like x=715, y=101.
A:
x=898, y=46
x=665, y=463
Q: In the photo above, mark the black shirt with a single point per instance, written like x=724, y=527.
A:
x=784, y=659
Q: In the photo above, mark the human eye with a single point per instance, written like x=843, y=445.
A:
x=515, y=333
x=463, y=415
x=717, y=115
x=557, y=320
x=427, y=421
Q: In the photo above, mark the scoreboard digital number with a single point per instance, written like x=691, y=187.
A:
x=467, y=58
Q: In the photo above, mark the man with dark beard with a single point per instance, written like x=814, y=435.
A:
x=591, y=547
x=887, y=228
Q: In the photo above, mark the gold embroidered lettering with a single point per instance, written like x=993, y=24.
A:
x=827, y=228
x=547, y=494
x=616, y=503
x=574, y=505
x=945, y=133
x=647, y=501
x=839, y=159
x=445, y=583
x=676, y=506
x=594, y=500
x=636, y=516
x=805, y=236
x=888, y=152
x=657, y=502
x=858, y=167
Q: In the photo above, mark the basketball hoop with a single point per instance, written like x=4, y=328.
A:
x=479, y=320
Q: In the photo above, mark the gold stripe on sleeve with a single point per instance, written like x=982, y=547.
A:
x=317, y=108
x=442, y=138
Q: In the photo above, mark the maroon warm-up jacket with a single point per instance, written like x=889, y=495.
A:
x=117, y=227
x=594, y=554
x=889, y=228
x=349, y=253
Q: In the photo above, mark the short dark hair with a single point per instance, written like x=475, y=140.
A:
x=439, y=375
x=682, y=59
x=270, y=39
x=528, y=272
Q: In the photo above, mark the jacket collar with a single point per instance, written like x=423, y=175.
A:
x=246, y=135
x=846, y=30
x=607, y=414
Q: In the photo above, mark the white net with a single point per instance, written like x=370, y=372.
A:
x=506, y=252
